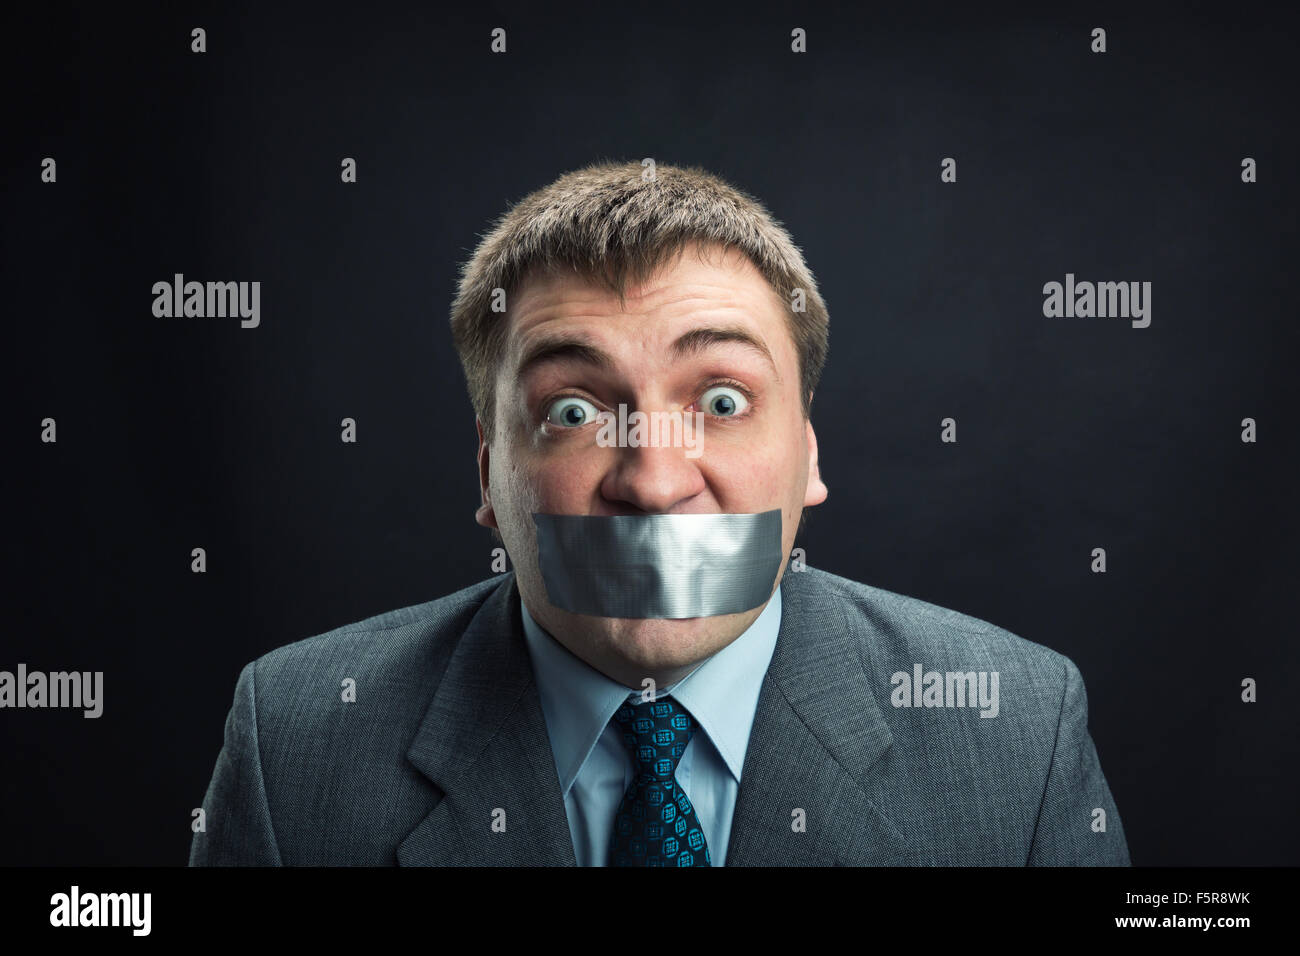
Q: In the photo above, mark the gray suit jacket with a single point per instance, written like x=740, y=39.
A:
x=446, y=728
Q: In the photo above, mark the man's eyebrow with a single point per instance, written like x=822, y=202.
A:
x=580, y=348
x=698, y=340
x=557, y=348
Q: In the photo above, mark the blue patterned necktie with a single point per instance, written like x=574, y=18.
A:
x=656, y=824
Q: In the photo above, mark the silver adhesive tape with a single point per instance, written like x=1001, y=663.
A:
x=664, y=566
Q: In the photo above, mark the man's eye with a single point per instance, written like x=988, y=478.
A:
x=724, y=401
x=571, y=412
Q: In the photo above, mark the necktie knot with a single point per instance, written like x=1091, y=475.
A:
x=655, y=733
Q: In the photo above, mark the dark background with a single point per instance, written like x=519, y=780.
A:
x=1073, y=433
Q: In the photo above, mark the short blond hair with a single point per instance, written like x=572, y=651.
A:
x=609, y=224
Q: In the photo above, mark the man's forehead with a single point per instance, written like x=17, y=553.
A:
x=691, y=261
x=726, y=291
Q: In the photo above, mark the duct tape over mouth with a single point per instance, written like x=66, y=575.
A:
x=660, y=566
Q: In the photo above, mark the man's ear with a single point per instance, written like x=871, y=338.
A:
x=485, y=515
x=816, y=492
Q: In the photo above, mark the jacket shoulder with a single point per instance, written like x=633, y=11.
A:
x=895, y=631
x=389, y=641
x=333, y=715
x=980, y=720
x=911, y=650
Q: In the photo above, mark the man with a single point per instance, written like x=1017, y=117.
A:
x=655, y=683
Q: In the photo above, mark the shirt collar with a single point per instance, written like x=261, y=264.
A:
x=721, y=693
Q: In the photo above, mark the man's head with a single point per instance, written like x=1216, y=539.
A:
x=672, y=294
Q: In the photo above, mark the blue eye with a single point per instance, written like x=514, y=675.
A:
x=728, y=403
x=571, y=412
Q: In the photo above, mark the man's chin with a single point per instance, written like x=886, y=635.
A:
x=660, y=644
x=658, y=625
x=649, y=628
x=630, y=649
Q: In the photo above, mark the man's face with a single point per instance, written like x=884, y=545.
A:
x=756, y=451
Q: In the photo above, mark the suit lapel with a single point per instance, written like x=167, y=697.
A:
x=483, y=742
x=817, y=733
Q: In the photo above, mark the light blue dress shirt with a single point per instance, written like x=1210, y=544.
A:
x=595, y=769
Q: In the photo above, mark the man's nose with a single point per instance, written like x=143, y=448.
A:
x=652, y=479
